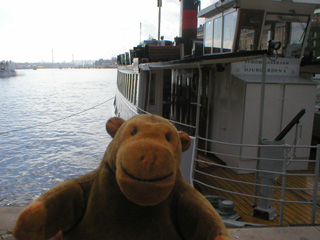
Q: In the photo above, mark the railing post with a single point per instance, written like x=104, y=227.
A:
x=296, y=141
x=284, y=183
x=262, y=96
x=315, y=189
x=196, y=139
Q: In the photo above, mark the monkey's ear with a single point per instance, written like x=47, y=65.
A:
x=185, y=140
x=113, y=125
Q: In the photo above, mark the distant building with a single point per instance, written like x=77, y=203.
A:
x=108, y=63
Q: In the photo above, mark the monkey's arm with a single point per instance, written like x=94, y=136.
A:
x=60, y=208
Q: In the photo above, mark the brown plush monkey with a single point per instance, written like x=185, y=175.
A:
x=137, y=193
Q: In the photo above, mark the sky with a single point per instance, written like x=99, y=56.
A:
x=81, y=30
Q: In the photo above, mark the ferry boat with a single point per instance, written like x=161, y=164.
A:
x=6, y=70
x=236, y=87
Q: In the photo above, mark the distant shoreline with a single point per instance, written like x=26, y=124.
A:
x=38, y=68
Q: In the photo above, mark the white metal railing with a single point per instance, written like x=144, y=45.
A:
x=283, y=172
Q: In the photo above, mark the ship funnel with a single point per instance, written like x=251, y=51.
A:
x=188, y=23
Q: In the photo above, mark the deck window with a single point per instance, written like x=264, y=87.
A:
x=228, y=31
x=288, y=29
x=135, y=80
x=208, y=37
x=126, y=85
x=166, y=97
x=217, y=33
x=131, y=88
x=250, y=27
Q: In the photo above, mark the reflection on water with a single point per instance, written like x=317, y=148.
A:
x=33, y=160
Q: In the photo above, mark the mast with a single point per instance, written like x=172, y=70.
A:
x=159, y=20
x=140, y=34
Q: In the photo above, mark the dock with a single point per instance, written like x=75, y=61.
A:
x=8, y=216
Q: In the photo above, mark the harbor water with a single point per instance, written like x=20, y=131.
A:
x=52, y=128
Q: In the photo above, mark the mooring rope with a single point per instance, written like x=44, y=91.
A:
x=57, y=120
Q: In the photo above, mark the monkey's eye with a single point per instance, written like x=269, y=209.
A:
x=134, y=131
x=168, y=137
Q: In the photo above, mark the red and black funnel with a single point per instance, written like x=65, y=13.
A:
x=188, y=23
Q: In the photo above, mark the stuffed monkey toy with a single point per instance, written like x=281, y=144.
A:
x=136, y=193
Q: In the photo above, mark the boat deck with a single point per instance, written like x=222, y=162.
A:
x=294, y=213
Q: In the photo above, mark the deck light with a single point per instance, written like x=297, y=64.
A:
x=273, y=45
x=236, y=4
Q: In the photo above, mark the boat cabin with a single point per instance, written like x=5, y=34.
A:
x=233, y=26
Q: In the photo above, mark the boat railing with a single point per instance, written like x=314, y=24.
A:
x=277, y=185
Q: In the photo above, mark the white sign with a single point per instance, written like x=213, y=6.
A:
x=279, y=66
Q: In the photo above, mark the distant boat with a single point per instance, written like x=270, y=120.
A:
x=6, y=70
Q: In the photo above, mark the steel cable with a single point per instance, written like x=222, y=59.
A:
x=57, y=120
